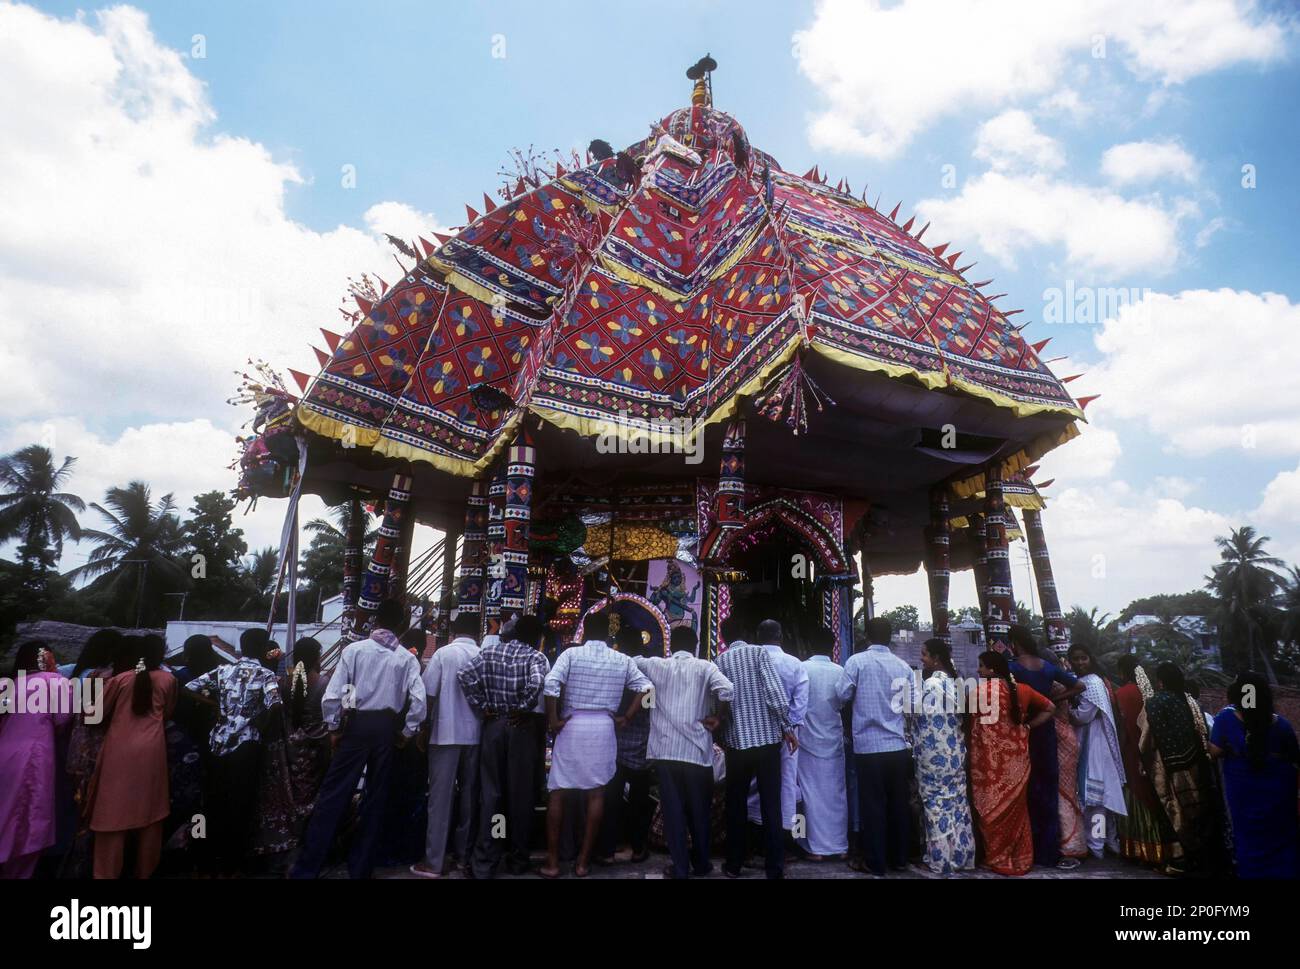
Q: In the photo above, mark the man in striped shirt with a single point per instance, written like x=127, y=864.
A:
x=689, y=696
x=759, y=721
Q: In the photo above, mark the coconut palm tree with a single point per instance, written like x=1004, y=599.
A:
x=1244, y=583
x=334, y=528
x=34, y=508
x=137, y=557
x=261, y=571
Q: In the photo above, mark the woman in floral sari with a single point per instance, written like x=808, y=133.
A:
x=941, y=764
x=1074, y=840
x=999, y=755
x=1144, y=832
x=1174, y=744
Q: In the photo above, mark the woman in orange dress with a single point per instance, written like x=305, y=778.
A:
x=129, y=792
x=999, y=756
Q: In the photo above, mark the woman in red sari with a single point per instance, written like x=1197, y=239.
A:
x=999, y=757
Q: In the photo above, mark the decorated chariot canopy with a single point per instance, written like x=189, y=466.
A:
x=682, y=302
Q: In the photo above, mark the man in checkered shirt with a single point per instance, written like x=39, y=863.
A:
x=759, y=721
x=504, y=683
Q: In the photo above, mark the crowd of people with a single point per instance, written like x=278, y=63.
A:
x=262, y=766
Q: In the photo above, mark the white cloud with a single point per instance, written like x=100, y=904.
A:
x=1208, y=231
x=1148, y=161
x=1099, y=230
x=1192, y=368
x=958, y=56
x=1011, y=140
x=1281, y=502
x=144, y=255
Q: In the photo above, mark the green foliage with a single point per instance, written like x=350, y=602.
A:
x=217, y=585
x=903, y=617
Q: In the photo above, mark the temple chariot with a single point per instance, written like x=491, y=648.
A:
x=682, y=378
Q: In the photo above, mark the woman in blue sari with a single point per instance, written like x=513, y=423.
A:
x=941, y=764
x=1260, y=756
x=1044, y=781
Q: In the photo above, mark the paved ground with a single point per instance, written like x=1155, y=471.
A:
x=653, y=868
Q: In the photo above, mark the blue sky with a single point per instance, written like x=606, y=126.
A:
x=1069, y=163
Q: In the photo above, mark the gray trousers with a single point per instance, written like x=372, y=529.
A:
x=453, y=782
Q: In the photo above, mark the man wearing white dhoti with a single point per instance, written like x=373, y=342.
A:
x=794, y=678
x=1101, y=765
x=584, y=692
x=821, y=752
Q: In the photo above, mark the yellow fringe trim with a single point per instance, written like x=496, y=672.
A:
x=327, y=426
x=931, y=380
x=973, y=486
x=946, y=275
x=597, y=426
x=615, y=268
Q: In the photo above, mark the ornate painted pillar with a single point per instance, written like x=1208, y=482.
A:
x=402, y=560
x=1000, y=601
x=728, y=514
x=495, y=569
x=938, y=538
x=470, y=593
x=520, y=469
x=375, y=584
x=1055, y=627
x=980, y=560
x=353, y=554
x=729, y=503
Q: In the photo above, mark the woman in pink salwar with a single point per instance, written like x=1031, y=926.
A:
x=37, y=709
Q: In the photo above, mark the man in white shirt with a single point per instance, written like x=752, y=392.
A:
x=690, y=697
x=374, y=702
x=795, y=680
x=452, y=731
x=821, y=752
x=881, y=753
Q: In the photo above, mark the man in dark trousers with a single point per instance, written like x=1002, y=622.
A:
x=374, y=703
x=504, y=684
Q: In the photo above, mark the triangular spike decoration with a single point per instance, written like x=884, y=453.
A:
x=1012, y=312
x=907, y=226
x=940, y=250
x=922, y=232
x=962, y=269
x=1083, y=402
x=365, y=304
x=952, y=260
x=811, y=174
x=1038, y=347
x=470, y=214
x=1040, y=485
x=488, y=204
x=301, y=379
x=893, y=216
x=426, y=245
x=322, y=357
x=982, y=283
x=332, y=340
x=1029, y=472
x=1073, y=376
x=442, y=239
x=560, y=170
x=383, y=286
